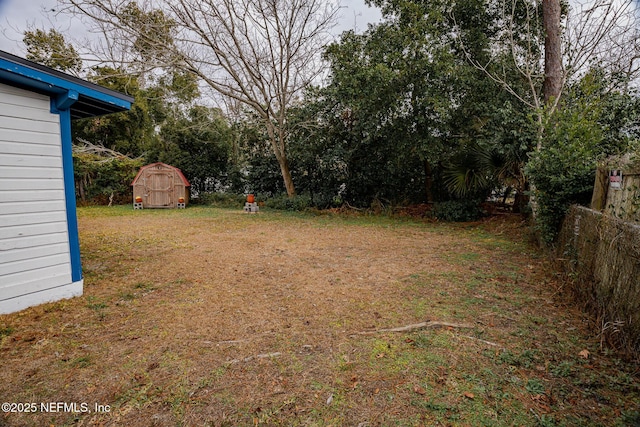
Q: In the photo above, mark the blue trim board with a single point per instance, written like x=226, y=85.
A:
x=64, y=101
x=70, y=194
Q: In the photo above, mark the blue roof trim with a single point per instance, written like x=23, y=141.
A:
x=53, y=84
x=96, y=100
x=66, y=100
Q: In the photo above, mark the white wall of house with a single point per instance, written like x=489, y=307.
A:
x=35, y=264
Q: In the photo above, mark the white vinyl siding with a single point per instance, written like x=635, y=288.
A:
x=34, y=242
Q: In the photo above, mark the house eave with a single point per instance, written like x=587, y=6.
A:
x=92, y=100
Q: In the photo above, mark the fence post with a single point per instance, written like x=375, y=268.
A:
x=600, y=188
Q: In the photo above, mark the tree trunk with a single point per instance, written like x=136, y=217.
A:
x=553, y=72
x=601, y=187
x=553, y=76
x=277, y=142
x=428, y=181
x=286, y=176
x=80, y=186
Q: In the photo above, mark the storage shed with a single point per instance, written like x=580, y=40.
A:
x=159, y=185
x=39, y=248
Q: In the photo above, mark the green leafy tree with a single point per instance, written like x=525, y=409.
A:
x=402, y=102
x=493, y=150
x=318, y=161
x=196, y=138
x=389, y=102
x=261, y=168
x=135, y=132
x=51, y=49
x=103, y=176
x=199, y=143
x=131, y=132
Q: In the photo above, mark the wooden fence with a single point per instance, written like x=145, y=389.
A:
x=601, y=255
x=617, y=192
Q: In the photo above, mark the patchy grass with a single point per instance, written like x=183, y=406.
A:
x=214, y=317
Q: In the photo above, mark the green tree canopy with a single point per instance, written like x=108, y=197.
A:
x=51, y=49
x=403, y=101
x=198, y=142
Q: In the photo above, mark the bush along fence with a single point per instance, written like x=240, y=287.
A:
x=601, y=254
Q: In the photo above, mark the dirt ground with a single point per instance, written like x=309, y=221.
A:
x=216, y=317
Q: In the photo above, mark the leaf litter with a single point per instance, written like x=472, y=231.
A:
x=212, y=317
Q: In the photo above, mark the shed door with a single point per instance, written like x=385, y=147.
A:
x=159, y=187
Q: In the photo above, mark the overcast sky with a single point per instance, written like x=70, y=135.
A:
x=16, y=16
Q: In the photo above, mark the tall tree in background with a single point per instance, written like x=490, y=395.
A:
x=262, y=53
x=553, y=70
x=572, y=38
x=401, y=102
x=198, y=142
x=164, y=124
x=130, y=133
x=51, y=49
x=603, y=34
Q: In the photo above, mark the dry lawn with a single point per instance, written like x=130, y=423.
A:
x=216, y=317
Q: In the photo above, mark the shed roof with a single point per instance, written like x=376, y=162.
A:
x=178, y=171
x=89, y=99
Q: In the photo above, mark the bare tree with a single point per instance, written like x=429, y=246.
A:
x=603, y=34
x=261, y=53
x=591, y=33
x=586, y=34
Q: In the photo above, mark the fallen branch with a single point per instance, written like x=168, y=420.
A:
x=418, y=326
x=107, y=154
x=353, y=207
x=229, y=342
x=482, y=341
x=257, y=356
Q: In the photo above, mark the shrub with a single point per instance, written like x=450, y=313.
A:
x=592, y=122
x=563, y=175
x=286, y=203
x=101, y=180
x=457, y=210
x=563, y=170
